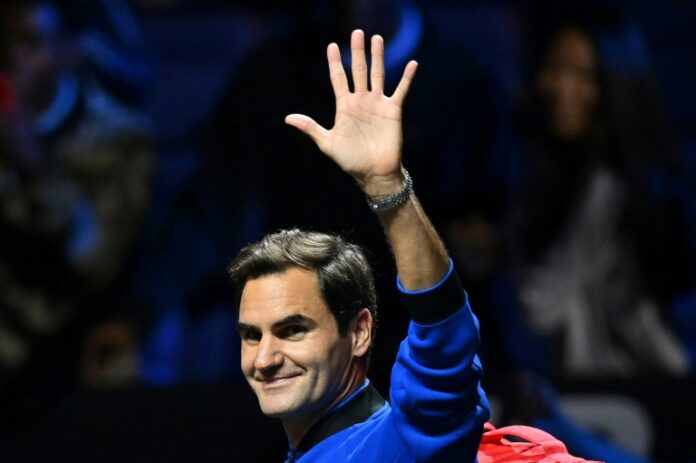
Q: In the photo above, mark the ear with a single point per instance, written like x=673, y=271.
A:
x=361, y=332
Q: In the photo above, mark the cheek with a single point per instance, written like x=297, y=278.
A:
x=247, y=359
x=337, y=356
x=304, y=353
x=314, y=355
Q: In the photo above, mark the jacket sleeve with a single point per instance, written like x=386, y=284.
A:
x=439, y=407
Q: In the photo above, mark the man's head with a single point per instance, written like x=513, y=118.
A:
x=307, y=305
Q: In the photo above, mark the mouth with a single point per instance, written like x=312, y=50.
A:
x=275, y=382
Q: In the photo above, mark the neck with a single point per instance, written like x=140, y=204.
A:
x=297, y=428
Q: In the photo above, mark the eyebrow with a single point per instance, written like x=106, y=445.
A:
x=289, y=320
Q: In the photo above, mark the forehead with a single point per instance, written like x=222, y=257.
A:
x=272, y=297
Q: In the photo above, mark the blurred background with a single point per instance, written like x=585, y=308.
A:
x=142, y=144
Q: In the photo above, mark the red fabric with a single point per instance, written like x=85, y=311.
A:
x=538, y=446
x=7, y=101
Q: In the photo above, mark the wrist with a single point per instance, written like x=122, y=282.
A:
x=391, y=193
x=377, y=187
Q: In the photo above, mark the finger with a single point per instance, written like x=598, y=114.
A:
x=358, y=62
x=377, y=65
x=405, y=83
x=308, y=126
x=337, y=74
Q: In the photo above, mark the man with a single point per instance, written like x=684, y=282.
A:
x=307, y=306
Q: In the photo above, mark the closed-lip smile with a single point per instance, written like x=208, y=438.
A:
x=275, y=381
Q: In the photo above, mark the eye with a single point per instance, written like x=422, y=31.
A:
x=250, y=336
x=294, y=332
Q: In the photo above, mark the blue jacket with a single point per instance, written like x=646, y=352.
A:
x=438, y=407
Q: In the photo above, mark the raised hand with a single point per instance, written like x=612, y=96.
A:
x=366, y=138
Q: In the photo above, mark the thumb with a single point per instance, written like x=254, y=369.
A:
x=308, y=126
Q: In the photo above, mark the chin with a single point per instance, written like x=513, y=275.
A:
x=278, y=411
x=275, y=406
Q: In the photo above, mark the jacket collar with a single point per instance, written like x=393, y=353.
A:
x=356, y=409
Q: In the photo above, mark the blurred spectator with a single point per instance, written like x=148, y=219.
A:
x=110, y=351
x=112, y=47
x=595, y=254
x=537, y=404
x=74, y=186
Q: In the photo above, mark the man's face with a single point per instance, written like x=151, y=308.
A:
x=292, y=354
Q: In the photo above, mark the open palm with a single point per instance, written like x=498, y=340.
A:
x=366, y=138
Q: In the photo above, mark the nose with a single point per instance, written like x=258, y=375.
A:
x=268, y=354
